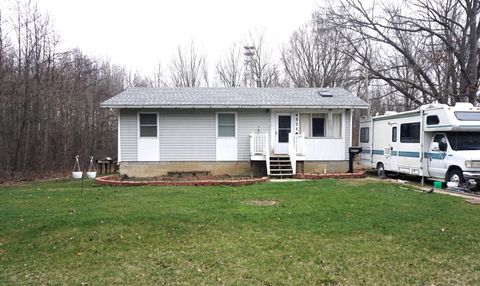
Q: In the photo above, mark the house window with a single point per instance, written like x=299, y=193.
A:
x=335, y=129
x=433, y=120
x=318, y=125
x=328, y=125
x=226, y=124
x=364, y=134
x=394, y=134
x=410, y=132
x=148, y=125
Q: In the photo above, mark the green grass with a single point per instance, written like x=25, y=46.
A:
x=320, y=232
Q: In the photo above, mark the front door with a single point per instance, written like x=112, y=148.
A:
x=284, y=127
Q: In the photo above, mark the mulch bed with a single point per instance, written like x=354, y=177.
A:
x=174, y=181
x=358, y=174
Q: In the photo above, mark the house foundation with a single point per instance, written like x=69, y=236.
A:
x=238, y=168
x=153, y=169
x=320, y=167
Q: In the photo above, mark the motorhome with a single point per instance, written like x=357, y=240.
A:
x=436, y=141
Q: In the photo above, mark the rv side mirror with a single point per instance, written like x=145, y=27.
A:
x=435, y=146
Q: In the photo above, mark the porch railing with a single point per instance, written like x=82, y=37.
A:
x=299, y=143
x=296, y=147
x=259, y=145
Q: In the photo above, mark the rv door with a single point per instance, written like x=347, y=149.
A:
x=394, y=147
x=437, y=163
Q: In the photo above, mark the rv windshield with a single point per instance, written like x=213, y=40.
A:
x=464, y=140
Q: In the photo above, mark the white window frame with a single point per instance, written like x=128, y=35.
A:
x=216, y=124
x=326, y=125
x=158, y=125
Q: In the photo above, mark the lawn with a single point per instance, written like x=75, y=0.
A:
x=319, y=232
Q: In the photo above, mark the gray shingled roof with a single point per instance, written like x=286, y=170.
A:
x=202, y=97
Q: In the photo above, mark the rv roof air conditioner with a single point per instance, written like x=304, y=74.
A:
x=463, y=105
x=432, y=105
x=390, y=112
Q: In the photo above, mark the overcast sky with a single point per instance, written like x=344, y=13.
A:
x=139, y=33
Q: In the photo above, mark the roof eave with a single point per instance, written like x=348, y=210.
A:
x=232, y=106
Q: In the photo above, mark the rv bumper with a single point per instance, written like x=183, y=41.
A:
x=471, y=175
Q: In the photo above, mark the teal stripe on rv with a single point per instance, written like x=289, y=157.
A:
x=439, y=126
x=408, y=154
x=411, y=154
x=436, y=156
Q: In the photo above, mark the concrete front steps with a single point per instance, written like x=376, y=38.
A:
x=280, y=167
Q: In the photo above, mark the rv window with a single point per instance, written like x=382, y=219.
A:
x=442, y=142
x=394, y=134
x=467, y=116
x=148, y=125
x=464, y=140
x=226, y=125
x=410, y=132
x=364, y=134
x=433, y=120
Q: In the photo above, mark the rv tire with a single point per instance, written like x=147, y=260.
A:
x=381, y=171
x=455, y=175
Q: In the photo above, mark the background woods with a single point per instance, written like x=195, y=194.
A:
x=49, y=99
x=396, y=56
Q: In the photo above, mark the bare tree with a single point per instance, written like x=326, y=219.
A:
x=188, y=67
x=315, y=56
x=230, y=69
x=426, y=50
x=262, y=70
x=159, y=79
x=49, y=108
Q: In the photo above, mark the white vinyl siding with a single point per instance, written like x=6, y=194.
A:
x=251, y=121
x=191, y=135
x=128, y=135
x=187, y=135
x=348, y=131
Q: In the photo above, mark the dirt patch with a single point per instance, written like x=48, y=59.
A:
x=356, y=182
x=260, y=202
x=473, y=201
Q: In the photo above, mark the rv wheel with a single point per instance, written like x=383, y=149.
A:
x=381, y=170
x=455, y=175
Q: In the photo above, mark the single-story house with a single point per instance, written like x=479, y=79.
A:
x=235, y=131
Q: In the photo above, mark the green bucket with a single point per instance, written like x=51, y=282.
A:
x=437, y=184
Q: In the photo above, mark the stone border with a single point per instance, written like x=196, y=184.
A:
x=110, y=182
x=360, y=174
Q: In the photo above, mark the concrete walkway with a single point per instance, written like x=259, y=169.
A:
x=287, y=180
